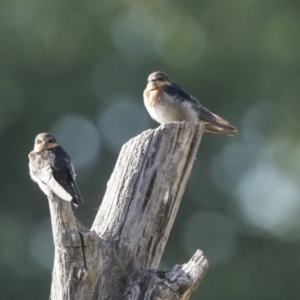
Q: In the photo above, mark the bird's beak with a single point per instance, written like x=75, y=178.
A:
x=151, y=84
x=40, y=147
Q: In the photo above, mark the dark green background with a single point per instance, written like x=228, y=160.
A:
x=78, y=70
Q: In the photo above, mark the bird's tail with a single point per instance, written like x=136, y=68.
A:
x=77, y=198
x=214, y=123
x=220, y=129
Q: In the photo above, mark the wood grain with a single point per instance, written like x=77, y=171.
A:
x=119, y=256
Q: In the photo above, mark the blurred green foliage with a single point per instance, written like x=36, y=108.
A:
x=78, y=69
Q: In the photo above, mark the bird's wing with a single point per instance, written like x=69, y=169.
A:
x=77, y=196
x=45, y=174
x=212, y=122
x=210, y=117
x=176, y=91
x=59, y=190
x=203, y=113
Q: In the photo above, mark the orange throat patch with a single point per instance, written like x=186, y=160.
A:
x=153, y=93
x=153, y=97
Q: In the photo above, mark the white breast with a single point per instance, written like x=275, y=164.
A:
x=169, y=109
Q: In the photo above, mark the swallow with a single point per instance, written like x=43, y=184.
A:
x=168, y=102
x=51, y=168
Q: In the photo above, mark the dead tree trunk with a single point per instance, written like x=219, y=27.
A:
x=118, y=258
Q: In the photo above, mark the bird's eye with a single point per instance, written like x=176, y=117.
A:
x=50, y=141
x=161, y=79
x=156, y=79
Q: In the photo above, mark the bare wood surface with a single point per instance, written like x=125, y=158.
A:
x=177, y=284
x=144, y=192
x=118, y=257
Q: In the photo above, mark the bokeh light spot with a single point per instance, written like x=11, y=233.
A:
x=124, y=119
x=114, y=75
x=231, y=162
x=211, y=232
x=41, y=244
x=279, y=35
x=21, y=14
x=63, y=32
x=268, y=199
x=258, y=121
x=136, y=35
x=184, y=42
x=79, y=137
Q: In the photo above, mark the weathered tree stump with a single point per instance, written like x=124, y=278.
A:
x=119, y=256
